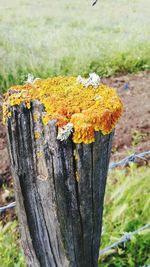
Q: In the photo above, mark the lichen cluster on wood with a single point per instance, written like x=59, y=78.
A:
x=87, y=109
x=60, y=186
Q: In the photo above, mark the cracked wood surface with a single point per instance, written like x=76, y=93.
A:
x=60, y=190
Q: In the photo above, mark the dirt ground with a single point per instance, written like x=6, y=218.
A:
x=132, y=132
x=133, y=129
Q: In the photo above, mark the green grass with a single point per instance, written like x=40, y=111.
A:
x=10, y=253
x=127, y=205
x=48, y=38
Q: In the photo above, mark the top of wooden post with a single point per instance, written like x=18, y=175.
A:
x=79, y=105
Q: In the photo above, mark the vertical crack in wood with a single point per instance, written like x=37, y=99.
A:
x=38, y=126
x=93, y=210
x=49, y=200
x=49, y=239
x=96, y=180
x=75, y=167
x=70, y=183
x=84, y=166
x=106, y=151
x=30, y=194
x=80, y=216
x=50, y=167
x=36, y=217
x=64, y=188
x=58, y=241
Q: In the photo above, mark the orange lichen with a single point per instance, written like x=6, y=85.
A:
x=67, y=101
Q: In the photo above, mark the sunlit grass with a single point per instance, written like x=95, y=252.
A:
x=70, y=38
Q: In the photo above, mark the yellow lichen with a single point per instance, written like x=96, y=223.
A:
x=9, y=114
x=77, y=177
x=46, y=118
x=35, y=116
x=39, y=154
x=76, y=155
x=67, y=101
x=28, y=105
x=36, y=135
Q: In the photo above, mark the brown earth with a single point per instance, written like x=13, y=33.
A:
x=132, y=132
x=133, y=129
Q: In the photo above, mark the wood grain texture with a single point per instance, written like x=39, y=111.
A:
x=60, y=189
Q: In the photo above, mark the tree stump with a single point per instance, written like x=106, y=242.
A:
x=59, y=187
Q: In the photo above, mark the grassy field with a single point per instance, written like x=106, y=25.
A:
x=127, y=204
x=48, y=38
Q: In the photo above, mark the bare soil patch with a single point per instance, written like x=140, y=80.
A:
x=133, y=129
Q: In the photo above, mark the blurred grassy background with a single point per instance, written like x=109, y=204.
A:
x=70, y=38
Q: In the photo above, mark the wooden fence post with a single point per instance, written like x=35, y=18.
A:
x=59, y=189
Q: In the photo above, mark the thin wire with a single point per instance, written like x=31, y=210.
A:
x=131, y=158
x=11, y=205
x=124, y=239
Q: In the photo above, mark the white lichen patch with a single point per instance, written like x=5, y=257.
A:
x=64, y=132
x=98, y=98
x=31, y=79
x=93, y=80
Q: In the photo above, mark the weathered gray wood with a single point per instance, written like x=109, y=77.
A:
x=60, y=216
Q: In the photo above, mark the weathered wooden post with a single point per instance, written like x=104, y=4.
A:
x=60, y=132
